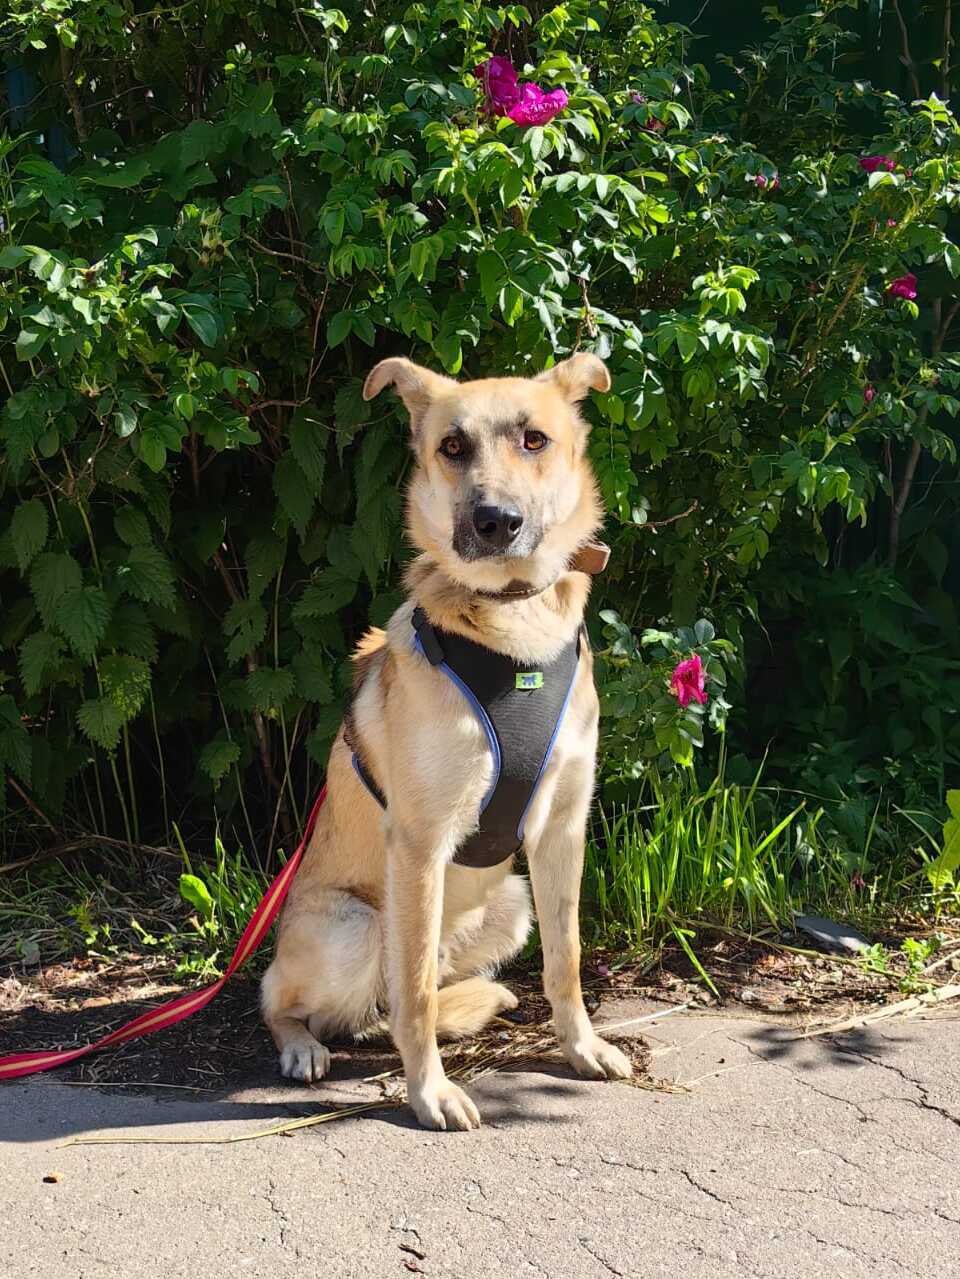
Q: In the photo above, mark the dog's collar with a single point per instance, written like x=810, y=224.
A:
x=591, y=558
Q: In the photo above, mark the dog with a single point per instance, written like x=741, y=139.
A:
x=380, y=915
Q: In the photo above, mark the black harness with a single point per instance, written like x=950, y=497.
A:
x=520, y=708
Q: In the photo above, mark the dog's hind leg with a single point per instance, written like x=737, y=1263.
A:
x=326, y=978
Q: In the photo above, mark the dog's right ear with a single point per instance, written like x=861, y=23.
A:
x=415, y=385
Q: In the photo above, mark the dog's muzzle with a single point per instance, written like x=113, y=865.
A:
x=483, y=531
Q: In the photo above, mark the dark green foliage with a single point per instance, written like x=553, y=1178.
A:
x=198, y=512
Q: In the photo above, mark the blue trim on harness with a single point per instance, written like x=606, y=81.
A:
x=485, y=723
x=550, y=746
x=355, y=759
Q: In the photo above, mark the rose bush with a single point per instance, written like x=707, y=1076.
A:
x=197, y=509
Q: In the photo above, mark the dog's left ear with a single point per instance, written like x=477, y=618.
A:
x=578, y=375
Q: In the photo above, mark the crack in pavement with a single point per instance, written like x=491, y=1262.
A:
x=798, y=1078
x=278, y=1211
x=860, y=1256
x=924, y=1102
x=585, y=1245
x=671, y=1206
x=705, y=1190
x=844, y=1203
x=490, y=1216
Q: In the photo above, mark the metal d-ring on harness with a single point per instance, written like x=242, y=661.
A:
x=520, y=708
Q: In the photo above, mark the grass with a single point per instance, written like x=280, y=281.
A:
x=188, y=914
x=676, y=857
x=681, y=854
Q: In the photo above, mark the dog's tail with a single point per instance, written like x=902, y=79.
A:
x=465, y=1007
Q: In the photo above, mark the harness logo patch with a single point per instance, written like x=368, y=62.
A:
x=529, y=679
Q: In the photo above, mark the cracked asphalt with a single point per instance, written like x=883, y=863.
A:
x=784, y=1157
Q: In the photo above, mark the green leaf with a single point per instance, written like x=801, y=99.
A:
x=327, y=593
x=196, y=894
x=686, y=343
x=29, y=343
x=217, y=758
x=152, y=448
x=15, y=752
x=295, y=492
x=372, y=534
x=203, y=323
x=265, y=556
x=339, y=328
x=51, y=578
x=269, y=689
x=313, y=675
x=132, y=526
x=185, y=405
x=126, y=681
x=308, y=443
x=148, y=576
x=131, y=631
x=246, y=623
x=39, y=654
x=14, y=255
x=942, y=870
x=29, y=529
x=101, y=721
x=511, y=304
x=82, y=616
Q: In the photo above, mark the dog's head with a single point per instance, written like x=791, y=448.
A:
x=502, y=494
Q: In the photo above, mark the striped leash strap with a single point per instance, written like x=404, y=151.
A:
x=19, y=1064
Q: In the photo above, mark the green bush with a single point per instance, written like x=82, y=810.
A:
x=197, y=509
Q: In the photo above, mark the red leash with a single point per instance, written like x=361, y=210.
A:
x=18, y=1064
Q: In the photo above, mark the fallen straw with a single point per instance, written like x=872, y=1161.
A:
x=468, y=1071
x=902, y=1008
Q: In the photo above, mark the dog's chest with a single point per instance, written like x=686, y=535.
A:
x=497, y=723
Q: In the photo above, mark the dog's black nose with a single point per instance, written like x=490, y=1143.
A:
x=497, y=525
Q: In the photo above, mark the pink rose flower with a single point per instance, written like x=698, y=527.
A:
x=869, y=394
x=903, y=287
x=500, y=85
x=871, y=163
x=537, y=107
x=524, y=105
x=687, y=681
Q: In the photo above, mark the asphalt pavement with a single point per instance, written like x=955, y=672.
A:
x=776, y=1157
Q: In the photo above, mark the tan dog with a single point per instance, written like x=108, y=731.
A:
x=501, y=500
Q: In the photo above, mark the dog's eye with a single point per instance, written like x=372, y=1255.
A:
x=534, y=441
x=452, y=446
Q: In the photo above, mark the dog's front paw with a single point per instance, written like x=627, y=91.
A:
x=307, y=1062
x=593, y=1058
x=444, y=1106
